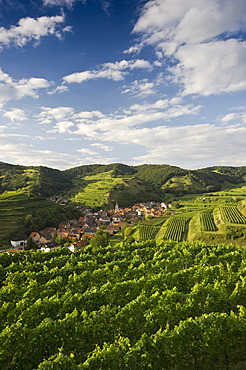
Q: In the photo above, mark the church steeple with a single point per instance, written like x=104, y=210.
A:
x=116, y=209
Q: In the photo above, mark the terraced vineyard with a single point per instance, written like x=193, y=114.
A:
x=207, y=221
x=94, y=190
x=175, y=228
x=232, y=214
x=147, y=232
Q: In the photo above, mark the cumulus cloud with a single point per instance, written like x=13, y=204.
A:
x=140, y=88
x=47, y=114
x=93, y=123
x=211, y=68
x=173, y=21
x=15, y=114
x=111, y=71
x=209, y=60
x=63, y=127
x=116, y=126
x=11, y=89
x=31, y=29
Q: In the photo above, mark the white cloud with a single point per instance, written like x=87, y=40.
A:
x=19, y=153
x=30, y=29
x=211, y=68
x=106, y=148
x=59, y=89
x=140, y=88
x=92, y=124
x=86, y=151
x=115, y=127
x=15, y=114
x=11, y=89
x=111, y=71
x=68, y=3
x=202, y=37
x=132, y=49
x=47, y=114
x=193, y=146
x=63, y=127
x=88, y=115
x=174, y=21
x=238, y=116
x=159, y=104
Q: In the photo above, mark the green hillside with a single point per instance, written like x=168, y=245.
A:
x=213, y=217
x=118, y=182
x=24, y=192
x=20, y=213
x=129, y=184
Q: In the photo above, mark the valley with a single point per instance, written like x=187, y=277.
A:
x=201, y=201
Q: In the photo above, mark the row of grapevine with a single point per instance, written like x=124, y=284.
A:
x=147, y=232
x=175, y=228
x=207, y=221
x=178, y=306
x=233, y=215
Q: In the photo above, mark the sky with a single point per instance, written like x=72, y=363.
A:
x=123, y=81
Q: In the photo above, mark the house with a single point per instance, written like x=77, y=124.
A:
x=90, y=232
x=49, y=246
x=18, y=241
x=35, y=236
x=74, y=247
x=48, y=233
x=75, y=233
x=116, y=218
x=112, y=229
x=63, y=232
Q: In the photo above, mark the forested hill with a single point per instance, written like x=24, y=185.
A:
x=41, y=180
x=137, y=183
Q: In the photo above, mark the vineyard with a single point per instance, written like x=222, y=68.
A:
x=232, y=215
x=172, y=306
x=207, y=222
x=147, y=232
x=175, y=228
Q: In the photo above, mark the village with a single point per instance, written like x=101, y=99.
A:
x=78, y=232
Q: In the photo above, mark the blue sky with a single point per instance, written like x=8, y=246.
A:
x=105, y=81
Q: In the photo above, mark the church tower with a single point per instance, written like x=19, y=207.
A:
x=116, y=209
